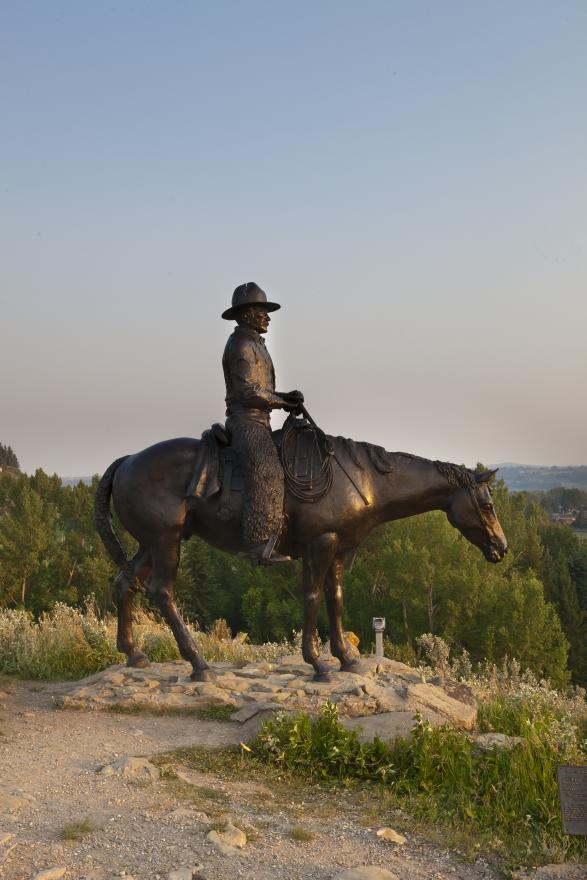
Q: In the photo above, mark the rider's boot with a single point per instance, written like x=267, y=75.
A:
x=265, y=554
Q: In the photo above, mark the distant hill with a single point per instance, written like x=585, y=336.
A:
x=531, y=478
x=73, y=481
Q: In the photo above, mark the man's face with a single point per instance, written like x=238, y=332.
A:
x=255, y=317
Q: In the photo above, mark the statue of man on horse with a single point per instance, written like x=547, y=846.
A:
x=250, y=397
x=336, y=492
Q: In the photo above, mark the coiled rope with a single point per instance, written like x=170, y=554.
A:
x=314, y=487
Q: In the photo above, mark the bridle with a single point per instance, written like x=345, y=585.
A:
x=491, y=544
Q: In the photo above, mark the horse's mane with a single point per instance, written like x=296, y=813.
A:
x=379, y=457
x=457, y=475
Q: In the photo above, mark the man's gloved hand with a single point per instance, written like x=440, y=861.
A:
x=293, y=400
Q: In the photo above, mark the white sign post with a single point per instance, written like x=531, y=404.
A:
x=379, y=627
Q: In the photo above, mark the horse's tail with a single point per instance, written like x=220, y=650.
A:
x=103, y=518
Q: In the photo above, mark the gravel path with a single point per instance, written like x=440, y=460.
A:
x=145, y=830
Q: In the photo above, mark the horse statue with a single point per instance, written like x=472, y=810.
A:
x=151, y=494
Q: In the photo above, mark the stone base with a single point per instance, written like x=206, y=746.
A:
x=383, y=699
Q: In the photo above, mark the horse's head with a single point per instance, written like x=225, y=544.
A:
x=471, y=511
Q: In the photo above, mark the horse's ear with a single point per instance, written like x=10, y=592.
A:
x=486, y=476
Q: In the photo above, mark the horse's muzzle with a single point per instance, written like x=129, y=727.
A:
x=495, y=551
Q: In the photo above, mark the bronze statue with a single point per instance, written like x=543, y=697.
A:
x=250, y=397
x=358, y=487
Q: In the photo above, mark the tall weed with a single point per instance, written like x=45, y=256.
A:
x=69, y=643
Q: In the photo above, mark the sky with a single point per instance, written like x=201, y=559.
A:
x=408, y=180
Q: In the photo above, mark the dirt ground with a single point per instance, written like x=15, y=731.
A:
x=145, y=830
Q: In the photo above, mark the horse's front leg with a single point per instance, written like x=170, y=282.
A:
x=317, y=558
x=333, y=587
x=162, y=590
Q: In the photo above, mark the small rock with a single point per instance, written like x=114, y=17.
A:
x=485, y=742
x=132, y=768
x=229, y=840
x=186, y=873
x=114, y=678
x=391, y=836
x=245, y=713
x=14, y=799
x=50, y=874
x=370, y=872
x=265, y=688
x=262, y=711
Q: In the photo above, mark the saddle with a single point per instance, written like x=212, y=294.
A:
x=303, y=451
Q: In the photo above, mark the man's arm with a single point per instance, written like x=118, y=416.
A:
x=246, y=375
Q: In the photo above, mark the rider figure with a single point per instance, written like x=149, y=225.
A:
x=250, y=397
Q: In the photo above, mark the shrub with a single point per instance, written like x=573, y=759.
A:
x=322, y=748
x=64, y=643
x=509, y=796
x=68, y=643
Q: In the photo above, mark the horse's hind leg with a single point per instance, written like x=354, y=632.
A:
x=333, y=589
x=162, y=591
x=127, y=584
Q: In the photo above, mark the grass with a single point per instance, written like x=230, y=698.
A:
x=69, y=643
x=216, y=713
x=301, y=835
x=208, y=713
x=210, y=794
x=76, y=830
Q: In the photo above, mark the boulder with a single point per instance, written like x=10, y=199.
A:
x=137, y=769
x=252, y=709
x=485, y=742
x=229, y=841
x=391, y=836
x=387, y=726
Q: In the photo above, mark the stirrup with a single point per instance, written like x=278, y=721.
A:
x=269, y=556
x=264, y=554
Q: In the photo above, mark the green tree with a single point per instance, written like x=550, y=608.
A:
x=27, y=531
x=8, y=457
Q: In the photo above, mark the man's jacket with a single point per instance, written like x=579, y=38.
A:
x=249, y=376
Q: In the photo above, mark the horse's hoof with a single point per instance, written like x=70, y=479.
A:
x=205, y=674
x=352, y=666
x=138, y=660
x=323, y=675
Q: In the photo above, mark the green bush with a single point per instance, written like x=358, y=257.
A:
x=438, y=775
x=322, y=748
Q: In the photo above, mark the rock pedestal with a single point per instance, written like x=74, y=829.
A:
x=382, y=700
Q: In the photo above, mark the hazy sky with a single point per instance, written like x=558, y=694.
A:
x=407, y=178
